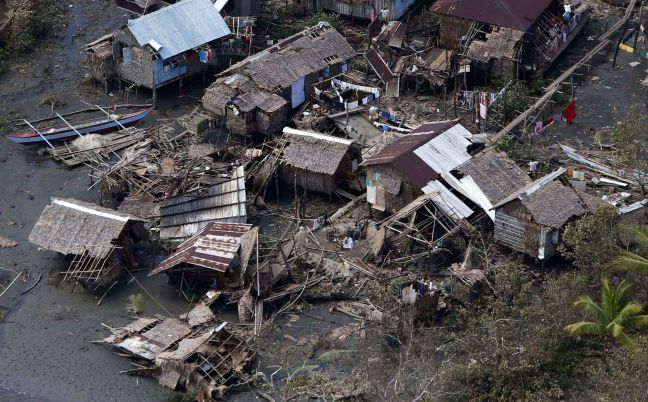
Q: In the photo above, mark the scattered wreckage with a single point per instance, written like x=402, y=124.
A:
x=242, y=224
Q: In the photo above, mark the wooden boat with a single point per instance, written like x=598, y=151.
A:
x=100, y=125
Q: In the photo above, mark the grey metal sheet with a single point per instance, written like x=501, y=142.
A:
x=180, y=27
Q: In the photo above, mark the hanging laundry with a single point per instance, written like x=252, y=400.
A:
x=569, y=113
x=209, y=54
x=482, y=106
x=203, y=56
x=549, y=122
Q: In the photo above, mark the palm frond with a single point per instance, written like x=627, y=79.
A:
x=608, y=301
x=638, y=321
x=626, y=341
x=622, y=295
x=585, y=328
x=590, y=307
x=640, y=237
x=629, y=310
x=627, y=261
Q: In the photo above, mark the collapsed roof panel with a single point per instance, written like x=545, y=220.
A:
x=214, y=248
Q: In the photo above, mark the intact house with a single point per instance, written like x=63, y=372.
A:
x=257, y=94
x=100, y=241
x=318, y=162
x=159, y=48
x=509, y=36
x=384, y=10
x=530, y=220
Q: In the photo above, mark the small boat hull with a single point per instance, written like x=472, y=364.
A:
x=96, y=126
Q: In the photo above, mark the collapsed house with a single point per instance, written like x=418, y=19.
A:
x=398, y=59
x=220, y=199
x=142, y=7
x=487, y=178
x=384, y=10
x=413, y=164
x=530, y=219
x=102, y=241
x=317, y=162
x=196, y=353
x=161, y=47
x=218, y=255
x=509, y=36
x=257, y=94
x=231, y=7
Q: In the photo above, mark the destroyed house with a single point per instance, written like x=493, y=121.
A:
x=257, y=94
x=102, y=241
x=530, y=219
x=317, y=162
x=385, y=10
x=142, y=7
x=222, y=199
x=415, y=164
x=509, y=36
x=162, y=47
x=488, y=178
x=196, y=353
x=219, y=251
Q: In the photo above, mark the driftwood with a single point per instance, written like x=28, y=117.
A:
x=329, y=297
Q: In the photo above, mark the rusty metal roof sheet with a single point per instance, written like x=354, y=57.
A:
x=515, y=14
x=213, y=248
x=379, y=65
x=429, y=150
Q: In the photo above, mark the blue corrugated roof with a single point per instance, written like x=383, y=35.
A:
x=180, y=27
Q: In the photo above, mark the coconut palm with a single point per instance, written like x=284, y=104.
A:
x=635, y=262
x=614, y=316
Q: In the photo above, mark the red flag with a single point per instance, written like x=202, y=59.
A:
x=569, y=113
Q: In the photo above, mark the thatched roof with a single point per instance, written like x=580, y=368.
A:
x=554, y=204
x=255, y=81
x=502, y=43
x=314, y=152
x=71, y=227
x=495, y=174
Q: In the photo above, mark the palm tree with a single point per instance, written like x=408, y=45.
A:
x=614, y=316
x=635, y=262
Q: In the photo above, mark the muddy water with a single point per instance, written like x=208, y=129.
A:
x=45, y=349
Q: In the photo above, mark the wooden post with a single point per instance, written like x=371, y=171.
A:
x=616, y=51
x=636, y=36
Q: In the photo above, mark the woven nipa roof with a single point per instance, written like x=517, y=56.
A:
x=314, y=152
x=70, y=226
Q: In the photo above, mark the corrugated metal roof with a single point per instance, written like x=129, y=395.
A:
x=445, y=151
x=426, y=152
x=180, y=27
x=213, y=248
x=447, y=201
x=514, y=14
x=379, y=65
x=184, y=215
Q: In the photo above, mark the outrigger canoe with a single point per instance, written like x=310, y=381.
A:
x=63, y=131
